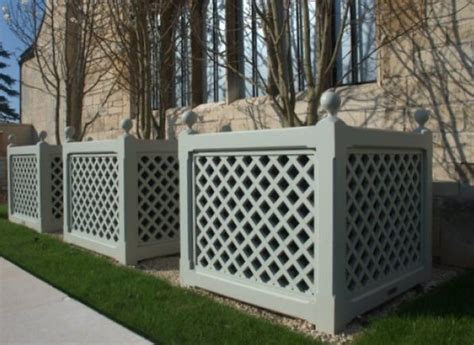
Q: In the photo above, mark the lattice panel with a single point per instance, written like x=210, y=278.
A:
x=95, y=196
x=255, y=218
x=158, y=197
x=57, y=187
x=24, y=185
x=383, y=216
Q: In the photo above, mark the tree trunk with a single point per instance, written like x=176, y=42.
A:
x=75, y=66
x=57, y=115
x=143, y=13
x=325, y=62
x=198, y=75
x=167, y=66
x=234, y=39
x=272, y=63
x=312, y=108
x=284, y=71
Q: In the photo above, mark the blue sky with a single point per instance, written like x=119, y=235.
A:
x=14, y=46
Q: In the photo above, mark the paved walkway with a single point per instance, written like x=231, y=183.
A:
x=34, y=312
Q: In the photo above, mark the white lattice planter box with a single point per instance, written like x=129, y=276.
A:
x=121, y=197
x=321, y=223
x=35, y=186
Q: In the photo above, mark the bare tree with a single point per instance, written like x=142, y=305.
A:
x=27, y=20
x=276, y=19
x=139, y=29
x=326, y=51
x=85, y=66
x=60, y=35
x=197, y=51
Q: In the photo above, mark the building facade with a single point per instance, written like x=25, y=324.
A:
x=394, y=57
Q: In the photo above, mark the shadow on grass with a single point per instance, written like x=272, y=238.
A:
x=4, y=211
x=454, y=298
x=442, y=316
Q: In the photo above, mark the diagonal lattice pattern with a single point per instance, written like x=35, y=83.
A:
x=24, y=185
x=383, y=216
x=57, y=187
x=158, y=197
x=94, y=181
x=255, y=218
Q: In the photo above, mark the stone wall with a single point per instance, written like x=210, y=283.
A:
x=105, y=107
x=428, y=64
x=37, y=102
x=104, y=104
x=24, y=135
x=106, y=110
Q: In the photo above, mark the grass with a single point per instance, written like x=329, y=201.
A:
x=149, y=306
x=170, y=315
x=443, y=316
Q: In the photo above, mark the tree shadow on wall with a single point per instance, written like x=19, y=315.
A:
x=427, y=62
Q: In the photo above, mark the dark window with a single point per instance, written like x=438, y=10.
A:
x=183, y=58
x=215, y=41
x=255, y=51
x=356, y=60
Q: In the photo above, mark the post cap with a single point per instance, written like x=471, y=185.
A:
x=69, y=133
x=42, y=136
x=11, y=139
x=422, y=116
x=331, y=102
x=189, y=118
x=126, y=126
x=226, y=128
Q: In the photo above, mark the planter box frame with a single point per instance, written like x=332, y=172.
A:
x=340, y=289
x=117, y=229
x=35, y=186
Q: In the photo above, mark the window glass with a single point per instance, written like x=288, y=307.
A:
x=215, y=51
x=255, y=50
x=183, y=59
x=356, y=58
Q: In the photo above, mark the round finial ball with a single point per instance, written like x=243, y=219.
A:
x=421, y=116
x=42, y=135
x=189, y=118
x=69, y=132
x=331, y=102
x=126, y=125
x=11, y=139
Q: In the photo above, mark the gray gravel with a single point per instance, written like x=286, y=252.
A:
x=167, y=268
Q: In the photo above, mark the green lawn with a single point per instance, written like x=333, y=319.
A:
x=443, y=316
x=171, y=315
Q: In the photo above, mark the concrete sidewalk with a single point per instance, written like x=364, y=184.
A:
x=34, y=312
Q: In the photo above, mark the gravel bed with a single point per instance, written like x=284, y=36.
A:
x=167, y=268
x=57, y=234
